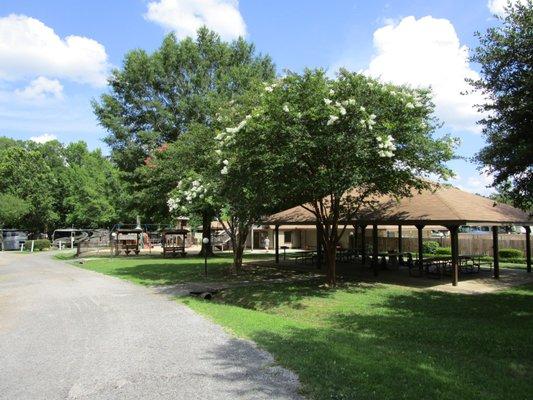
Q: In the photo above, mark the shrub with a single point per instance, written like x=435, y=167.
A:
x=510, y=253
x=430, y=247
x=39, y=245
x=444, y=251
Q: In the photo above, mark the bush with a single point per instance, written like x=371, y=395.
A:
x=430, y=247
x=444, y=251
x=38, y=245
x=510, y=253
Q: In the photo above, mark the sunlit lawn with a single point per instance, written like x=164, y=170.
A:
x=386, y=342
x=364, y=341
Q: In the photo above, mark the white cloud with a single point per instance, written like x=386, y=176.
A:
x=497, y=7
x=184, y=17
x=40, y=89
x=45, y=137
x=29, y=48
x=427, y=52
x=479, y=183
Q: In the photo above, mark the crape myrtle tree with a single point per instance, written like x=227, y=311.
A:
x=234, y=181
x=505, y=54
x=313, y=139
x=155, y=98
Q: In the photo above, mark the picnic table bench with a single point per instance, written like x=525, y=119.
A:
x=303, y=256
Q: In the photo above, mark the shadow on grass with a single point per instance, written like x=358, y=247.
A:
x=193, y=270
x=266, y=297
x=418, y=344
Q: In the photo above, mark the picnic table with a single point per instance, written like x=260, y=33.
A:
x=303, y=256
x=467, y=263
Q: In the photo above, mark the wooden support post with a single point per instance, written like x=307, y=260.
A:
x=375, y=261
x=400, y=244
x=252, y=238
x=276, y=242
x=454, y=238
x=363, y=243
x=318, y=246
x=528, y=248
x=420, y=248
x=355, y=233
x=495, y=252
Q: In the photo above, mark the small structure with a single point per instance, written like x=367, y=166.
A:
x=174, y=240
x=443, y=206
x=69, y=236
x=127, y=240
x=12, y=239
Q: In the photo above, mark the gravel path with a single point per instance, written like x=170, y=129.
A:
x=67, y=333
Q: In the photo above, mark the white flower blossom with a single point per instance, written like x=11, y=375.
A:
x=224, y=171
x=327, y=101
x=225, y=162
x=269, y=89
x=331, y=92
x=386, y=146
x=286, y=108
x=332, y=119
x=218, y=151
x=342, y=110
x=351, y=102
x=410, y=105
x=362, y=109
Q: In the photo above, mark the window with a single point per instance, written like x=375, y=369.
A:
x=288, y=237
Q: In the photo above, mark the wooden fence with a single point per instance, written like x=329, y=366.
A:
x=468, y=243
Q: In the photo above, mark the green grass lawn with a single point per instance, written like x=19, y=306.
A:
x=155, y=270
x=387, y=342
x=363, y=341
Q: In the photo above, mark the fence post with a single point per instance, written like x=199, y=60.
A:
x=32, y=244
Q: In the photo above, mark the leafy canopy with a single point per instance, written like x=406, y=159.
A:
x=505, y=54
x=156, y=98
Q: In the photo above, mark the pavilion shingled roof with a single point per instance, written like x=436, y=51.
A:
x=443, y=205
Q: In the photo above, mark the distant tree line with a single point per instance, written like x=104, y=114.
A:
x=51, y=185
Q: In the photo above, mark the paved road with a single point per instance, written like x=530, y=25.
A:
x=67, y=333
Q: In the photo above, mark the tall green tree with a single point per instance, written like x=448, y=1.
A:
x=24, y=173
x=505, y=54
x=94, y=192
x=155, y=98
x=49, y=185
x=12, y=210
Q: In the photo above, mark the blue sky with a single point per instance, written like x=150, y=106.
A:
x=55, y=54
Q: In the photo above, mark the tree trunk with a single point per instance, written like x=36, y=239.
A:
x=207, y=217
x=238, y=251
x=330, y=255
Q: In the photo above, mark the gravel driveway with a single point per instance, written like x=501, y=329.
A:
x=67, y=333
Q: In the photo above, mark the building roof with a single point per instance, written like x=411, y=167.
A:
x=443, y=205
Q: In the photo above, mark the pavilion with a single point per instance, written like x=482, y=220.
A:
x=443, y=205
